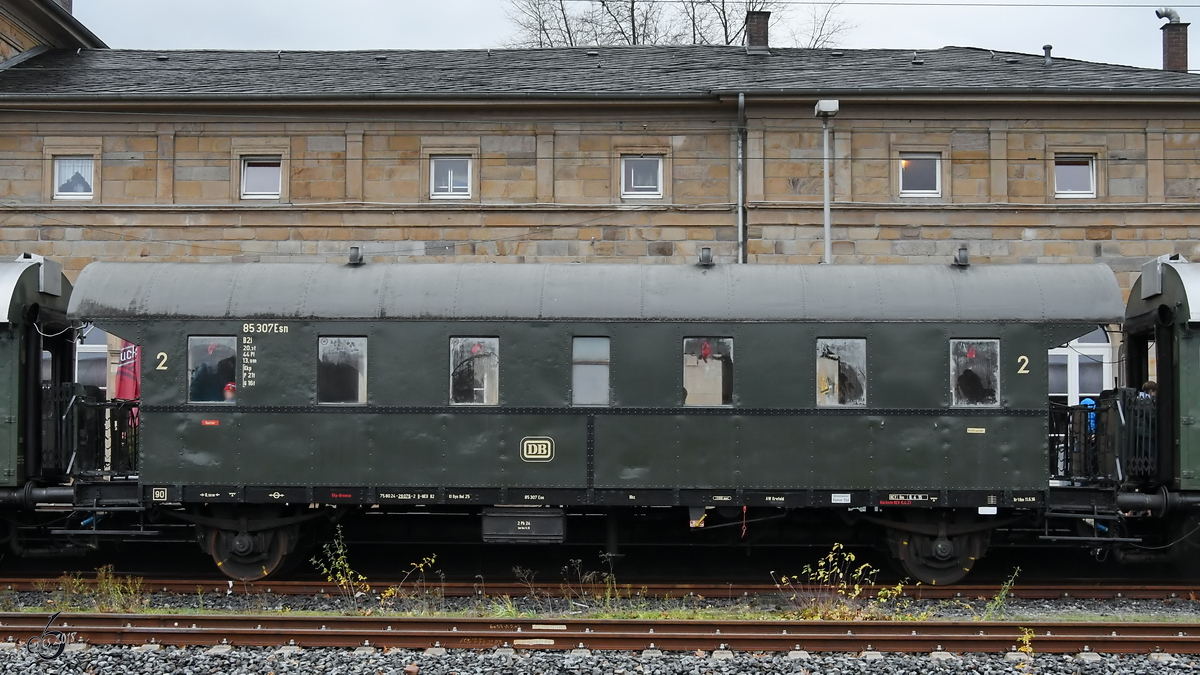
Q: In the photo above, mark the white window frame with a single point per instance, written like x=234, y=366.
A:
x=658, y=194
x=1075, y=194
x=1073, y=350
x=937, y=173
x=246, y=159
x=102, y=348
x=433, y=160
x=80, y=196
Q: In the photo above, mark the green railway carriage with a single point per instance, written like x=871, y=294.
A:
x=911, y=397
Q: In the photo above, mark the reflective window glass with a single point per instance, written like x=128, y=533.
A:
x=589, y=370
x=73, y=177
x=841, y=372
x=342, y=370
x=920, y=174
x=475, y=370
x=1075, y=176
x=212, y=369
x=261, y=177
x=451, y=176
x=975, y=372
x=708, y=371
x=1059, y=367
x=641, y=176
x=91, y=368
x=1091, y=375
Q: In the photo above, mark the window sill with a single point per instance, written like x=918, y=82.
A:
x=1074, y=195
x=74, y=198
x=457, y=197
x=262, y=197
x=921, y=195
x=638, y=195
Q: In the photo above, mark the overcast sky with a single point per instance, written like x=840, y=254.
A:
x=1115, y=35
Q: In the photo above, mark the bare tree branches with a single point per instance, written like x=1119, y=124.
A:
x=569, y=23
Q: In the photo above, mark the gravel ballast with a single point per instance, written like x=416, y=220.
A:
x=257, y=660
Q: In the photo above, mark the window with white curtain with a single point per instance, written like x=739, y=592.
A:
x=73, y=177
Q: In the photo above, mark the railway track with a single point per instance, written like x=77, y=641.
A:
x=653, y=590
x=561, y=634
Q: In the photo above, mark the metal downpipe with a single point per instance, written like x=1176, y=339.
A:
x=741, y=179
x=828, y=223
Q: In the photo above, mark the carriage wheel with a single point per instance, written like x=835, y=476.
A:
x=248, y=556
x=942, y=558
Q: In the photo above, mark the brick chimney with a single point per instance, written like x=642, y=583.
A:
x=1175, y=43
x=757, y=25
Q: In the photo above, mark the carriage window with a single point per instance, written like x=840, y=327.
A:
x=475, y=371
x=589, y=370
x=342, y=370
x=212, y=369
x=708, y=371
x=975, y=372
x=841, y=372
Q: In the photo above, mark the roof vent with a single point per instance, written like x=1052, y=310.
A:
x=1010, y=60
x=917, y=61
x=49, y=273
x=1047, y=49
x=962, y=258
x=356, y=256
x=381, y=57
x=162, y=57
x=1152, y=274
x=706, y=257
x=837, y=53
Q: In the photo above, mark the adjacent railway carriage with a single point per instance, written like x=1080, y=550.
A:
x=614, y=405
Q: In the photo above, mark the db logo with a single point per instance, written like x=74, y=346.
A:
x=537, y=449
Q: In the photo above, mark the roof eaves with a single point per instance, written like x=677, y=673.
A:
x=77, y=35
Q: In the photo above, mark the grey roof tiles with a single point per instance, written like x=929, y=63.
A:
x=602, y=72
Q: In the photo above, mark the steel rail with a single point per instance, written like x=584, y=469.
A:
x=560, y=634
x=1095, y=591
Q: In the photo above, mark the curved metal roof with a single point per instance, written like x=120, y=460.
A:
x=21, y=284
x=1020, y=293
x=1180, y=284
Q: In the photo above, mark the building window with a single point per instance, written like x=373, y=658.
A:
x=73, y=177
x=975, y=372
x=262, y=177
x=642, y=177
x=342, y=370
x=475, y=370
x=708, y=371
x=920, y=174
x=1075, y=176
x=212, y=369
x=1081, y=368
x=450, y=177
x=841, y=372
x=91, y=360
x=589, y=370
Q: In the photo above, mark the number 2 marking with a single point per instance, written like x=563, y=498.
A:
x=1024, y=364
x=162, y=361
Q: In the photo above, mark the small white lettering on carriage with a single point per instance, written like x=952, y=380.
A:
x=840, y=498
